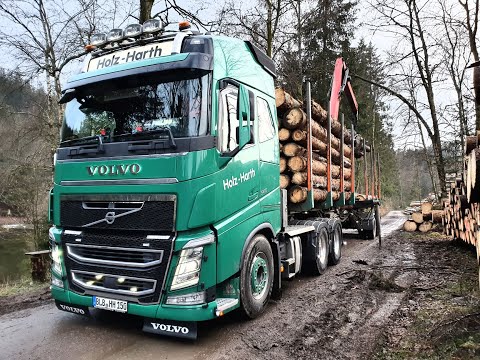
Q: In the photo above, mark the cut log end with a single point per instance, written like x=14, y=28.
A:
x=417, y=217
x=410, y=226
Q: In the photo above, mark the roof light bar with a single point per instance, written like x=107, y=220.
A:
x=115, y=35
x=98, y=39
x=152, y=26
x=133, y=30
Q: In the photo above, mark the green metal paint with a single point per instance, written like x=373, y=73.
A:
x=231, y=196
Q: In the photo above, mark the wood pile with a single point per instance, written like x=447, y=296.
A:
x=292, y=133
x=423, y=219
x=461, y=212
x=461, y=215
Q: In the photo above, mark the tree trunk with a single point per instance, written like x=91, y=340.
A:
x=298, y=194
x=284, y=102
x=145, y=10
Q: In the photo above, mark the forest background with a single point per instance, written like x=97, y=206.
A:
x=408, y=60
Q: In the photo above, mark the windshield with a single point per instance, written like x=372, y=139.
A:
x=124, y=110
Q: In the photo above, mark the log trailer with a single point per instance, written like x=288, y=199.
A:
x=166, y=201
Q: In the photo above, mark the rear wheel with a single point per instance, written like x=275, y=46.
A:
x=256, y=276
x=371, y=234
x=336, y=251
x=319, y=264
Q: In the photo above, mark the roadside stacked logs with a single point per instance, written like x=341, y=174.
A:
x=423, y=219
x=461, y=214
x=292, y=134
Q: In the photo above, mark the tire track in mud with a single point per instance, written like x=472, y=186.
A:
x=337, y=315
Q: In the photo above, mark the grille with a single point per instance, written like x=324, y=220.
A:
x=119, y=212
x=96, y=259
x=114, y=283
x=108, y=255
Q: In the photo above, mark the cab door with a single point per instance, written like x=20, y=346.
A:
x=269, y=168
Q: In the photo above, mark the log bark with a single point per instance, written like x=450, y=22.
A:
x=425, y=226
x=320, y=115
x=283, y=134
x=471, y=142
x=283, y=164
x=437, y=216
x=284, y=181
x=320, y=133
x=285, y=102
x=300, y=178
x=299, y=164
x=426, y=209
x=298, y=194
x=410, y=226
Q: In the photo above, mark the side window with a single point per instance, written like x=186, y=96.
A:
x=228, y=122
x=266, y=131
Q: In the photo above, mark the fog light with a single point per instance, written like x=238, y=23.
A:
x=187, y=299
x=57, y=282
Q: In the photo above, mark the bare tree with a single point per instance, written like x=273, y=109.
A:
x=456, y=56
x=407, y=19
x=470, y=24
x=264, y=23
x=45, y=38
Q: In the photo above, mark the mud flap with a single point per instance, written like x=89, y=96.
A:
x=179, y=329
x=71, y=308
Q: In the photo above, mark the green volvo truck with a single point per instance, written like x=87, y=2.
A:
x=166, y=201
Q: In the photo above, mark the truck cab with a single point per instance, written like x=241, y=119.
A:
x=166, y=180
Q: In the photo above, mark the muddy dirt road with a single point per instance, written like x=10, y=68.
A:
x=336, y=315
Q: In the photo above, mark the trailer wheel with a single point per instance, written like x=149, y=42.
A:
x=336, y=251
x=256, y=276
x=319, y=264
x=371, y=234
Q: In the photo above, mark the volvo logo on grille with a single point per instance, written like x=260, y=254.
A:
x=110, y=217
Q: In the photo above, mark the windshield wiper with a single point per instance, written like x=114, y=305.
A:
x=93, y=145
x=146, y=133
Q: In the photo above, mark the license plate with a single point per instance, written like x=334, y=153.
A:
x=109, y=304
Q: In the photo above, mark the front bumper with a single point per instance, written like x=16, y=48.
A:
x=158, y=311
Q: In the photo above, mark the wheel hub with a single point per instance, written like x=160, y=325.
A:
x=259, y=276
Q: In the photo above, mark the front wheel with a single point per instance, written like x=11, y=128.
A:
x=256, y=276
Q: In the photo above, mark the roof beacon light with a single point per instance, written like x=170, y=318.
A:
x=115, y=35
x=152, y=26
x=184, y=25
x=98, y=39
x=133, y=30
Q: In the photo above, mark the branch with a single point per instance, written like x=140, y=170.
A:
x=401, y=98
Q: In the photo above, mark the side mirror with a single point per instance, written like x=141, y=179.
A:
x=243, y=115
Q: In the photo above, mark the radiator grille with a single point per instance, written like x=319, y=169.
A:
x=119, y=212
x=140, y=258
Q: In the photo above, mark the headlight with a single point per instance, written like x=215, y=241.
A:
x=187, y=272
x=56, y=254
x=57, y=282
x=187, y=299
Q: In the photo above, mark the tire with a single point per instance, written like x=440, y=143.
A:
x=319, y=264
x=371, y=234
x=335, y=253
x=256, y=276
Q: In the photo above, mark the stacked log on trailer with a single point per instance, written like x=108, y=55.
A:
x=423, y=219
x=292, y=123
